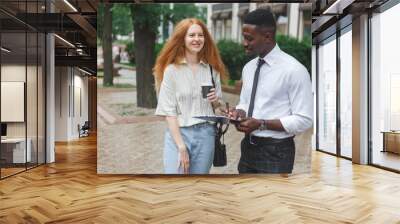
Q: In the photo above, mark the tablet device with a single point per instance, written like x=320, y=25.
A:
x=222, y=119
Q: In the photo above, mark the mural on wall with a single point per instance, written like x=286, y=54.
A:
x=133, y=136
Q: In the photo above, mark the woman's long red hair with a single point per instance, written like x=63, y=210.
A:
x=174, y=51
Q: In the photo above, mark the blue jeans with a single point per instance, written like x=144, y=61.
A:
x=199, y=140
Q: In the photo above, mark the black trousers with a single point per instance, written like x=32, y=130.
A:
x=266, y=155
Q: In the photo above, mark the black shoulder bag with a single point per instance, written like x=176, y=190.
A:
x=220, y=148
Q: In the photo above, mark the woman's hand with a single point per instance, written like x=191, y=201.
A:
x=183, y=159
x=235, y=114
x=212, y=96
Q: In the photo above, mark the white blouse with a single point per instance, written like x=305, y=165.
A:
x=180, y=93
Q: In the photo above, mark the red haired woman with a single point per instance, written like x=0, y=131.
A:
x=184, y=64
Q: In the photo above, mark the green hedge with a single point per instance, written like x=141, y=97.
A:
x=158, y=48
x=299, y=50
x=234, y=57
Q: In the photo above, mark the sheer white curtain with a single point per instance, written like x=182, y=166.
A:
x=327, y=96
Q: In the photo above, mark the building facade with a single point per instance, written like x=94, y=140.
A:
x=225, y=20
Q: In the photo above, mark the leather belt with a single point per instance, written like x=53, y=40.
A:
x=267, y=140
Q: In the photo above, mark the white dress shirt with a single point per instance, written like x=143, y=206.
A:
x=283, y=92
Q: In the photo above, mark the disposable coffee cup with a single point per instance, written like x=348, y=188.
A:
x=205, y=89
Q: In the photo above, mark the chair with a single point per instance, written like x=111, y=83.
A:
x=84, y=130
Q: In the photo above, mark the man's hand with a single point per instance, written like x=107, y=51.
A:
x=248, y=125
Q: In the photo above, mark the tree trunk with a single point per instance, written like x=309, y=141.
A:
x=144, y=56
x=107, y=46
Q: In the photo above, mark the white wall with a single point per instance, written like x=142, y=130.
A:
x=61, y=103
x=12, y=101
x=71, y=94
x=15, y=73
x=80, y=109
x=33, y=126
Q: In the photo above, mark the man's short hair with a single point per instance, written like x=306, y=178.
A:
x=262, y=18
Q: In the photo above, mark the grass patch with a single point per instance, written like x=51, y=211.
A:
x=131, y=109
x=123, y=85
x=117, y=85
x=231, y=82
x=140, y=114
x=129, y=64
x=121, y=42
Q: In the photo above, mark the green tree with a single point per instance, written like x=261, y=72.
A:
x=175, y=12
x=113, y=19
x=146, y=19
x=181, y=11
x=107, y=45
x=121, y=24
x=100, y=22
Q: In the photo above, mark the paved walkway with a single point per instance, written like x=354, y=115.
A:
x=130, y=139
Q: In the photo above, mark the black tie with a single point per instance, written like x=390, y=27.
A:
x=254, y=89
